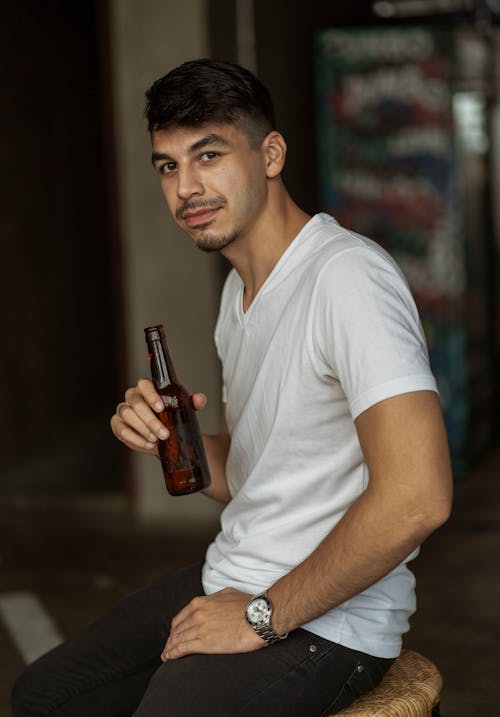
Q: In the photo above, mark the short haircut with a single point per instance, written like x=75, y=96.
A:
x=206, y=90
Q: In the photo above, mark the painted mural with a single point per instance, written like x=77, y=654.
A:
x=387, y=166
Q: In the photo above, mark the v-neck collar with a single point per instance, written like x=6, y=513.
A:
x=292, y=257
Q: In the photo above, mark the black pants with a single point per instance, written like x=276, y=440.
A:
x=113, y=669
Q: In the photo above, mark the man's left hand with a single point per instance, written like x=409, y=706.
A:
x=212, y=624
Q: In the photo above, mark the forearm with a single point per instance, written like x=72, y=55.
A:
x=366, y=544
x=217, y=449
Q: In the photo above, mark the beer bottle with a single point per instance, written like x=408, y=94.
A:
x=182, y=454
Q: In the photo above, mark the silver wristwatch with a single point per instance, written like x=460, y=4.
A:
x=258, y=615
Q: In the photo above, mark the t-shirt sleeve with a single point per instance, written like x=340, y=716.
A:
x=368, y=334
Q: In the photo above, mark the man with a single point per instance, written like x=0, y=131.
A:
x=333, y=459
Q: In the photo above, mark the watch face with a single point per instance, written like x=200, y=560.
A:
x=258, y=611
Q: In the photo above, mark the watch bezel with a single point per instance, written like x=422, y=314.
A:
x=263, y=628
x=252, y=619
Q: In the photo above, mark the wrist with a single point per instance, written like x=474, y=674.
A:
x=278, y=619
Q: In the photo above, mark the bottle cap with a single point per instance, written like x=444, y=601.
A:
x=153, y=333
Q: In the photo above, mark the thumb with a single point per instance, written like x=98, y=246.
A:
x=199, y=401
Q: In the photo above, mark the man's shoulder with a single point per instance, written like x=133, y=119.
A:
x=335, y=248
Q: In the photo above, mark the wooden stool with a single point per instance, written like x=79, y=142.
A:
x=411, y=687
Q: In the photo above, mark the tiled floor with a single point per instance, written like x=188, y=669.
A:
x=78, y=557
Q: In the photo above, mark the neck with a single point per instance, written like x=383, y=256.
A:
x=255, y=254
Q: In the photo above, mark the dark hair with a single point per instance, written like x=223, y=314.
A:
x=211, y=91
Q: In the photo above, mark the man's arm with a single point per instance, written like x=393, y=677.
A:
x=136, y=424
x=217, y=449
x=408, y=496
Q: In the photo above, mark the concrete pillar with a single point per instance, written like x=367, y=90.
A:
x=166, y=279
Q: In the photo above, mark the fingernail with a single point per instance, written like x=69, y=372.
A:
x=164, y=433
x=149, y=445
x=159, y=406
x=152, y=437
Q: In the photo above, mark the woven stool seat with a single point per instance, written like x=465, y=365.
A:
x=411, y=688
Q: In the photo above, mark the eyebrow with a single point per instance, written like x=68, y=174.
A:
x=206, y=141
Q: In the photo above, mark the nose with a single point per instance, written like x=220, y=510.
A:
x=188, y=183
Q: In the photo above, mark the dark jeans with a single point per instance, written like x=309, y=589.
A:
x=113, y=669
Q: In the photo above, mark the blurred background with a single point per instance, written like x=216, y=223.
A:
x=392, y=117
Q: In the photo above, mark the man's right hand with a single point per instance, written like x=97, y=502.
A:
x=135, y=422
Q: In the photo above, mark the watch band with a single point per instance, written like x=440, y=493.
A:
x=268, y=633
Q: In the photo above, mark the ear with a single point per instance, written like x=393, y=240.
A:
x=274, y=149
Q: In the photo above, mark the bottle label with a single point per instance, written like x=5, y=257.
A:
x=170, y=401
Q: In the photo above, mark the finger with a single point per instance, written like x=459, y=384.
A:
x=177, y=637
x=135, y=400
x=129, y=437
x=146, y=387
x=187, y=631
x=127, y=414
x=187, y=647
x=188, y=610
x=152, y=399
x=199, y=401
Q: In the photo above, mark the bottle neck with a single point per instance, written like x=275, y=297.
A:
x=162, y=368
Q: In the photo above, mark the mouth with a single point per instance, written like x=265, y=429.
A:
x=199, y=217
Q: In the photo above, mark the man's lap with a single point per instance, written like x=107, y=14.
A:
x=304, y=676
x=113, y=668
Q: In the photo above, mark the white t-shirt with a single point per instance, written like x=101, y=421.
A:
x=332, y=331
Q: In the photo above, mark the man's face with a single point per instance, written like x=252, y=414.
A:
x=213, y=181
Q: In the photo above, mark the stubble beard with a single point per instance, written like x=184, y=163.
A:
x=209, y=242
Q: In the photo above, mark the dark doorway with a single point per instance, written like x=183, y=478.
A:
x=59, y=320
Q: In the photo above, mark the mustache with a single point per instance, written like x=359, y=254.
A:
x=193, y=204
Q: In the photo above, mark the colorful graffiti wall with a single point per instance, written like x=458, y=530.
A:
x=387, y=165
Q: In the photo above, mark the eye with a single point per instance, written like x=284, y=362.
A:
x=167, y=168
x=208, y=156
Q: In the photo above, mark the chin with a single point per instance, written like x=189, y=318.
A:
x=209, y=242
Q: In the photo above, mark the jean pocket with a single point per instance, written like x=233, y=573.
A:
x=359, y=681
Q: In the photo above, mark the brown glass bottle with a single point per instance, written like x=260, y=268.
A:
x=182, y=455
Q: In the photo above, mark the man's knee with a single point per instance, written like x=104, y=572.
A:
x=29, y=695
x=42, y=688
